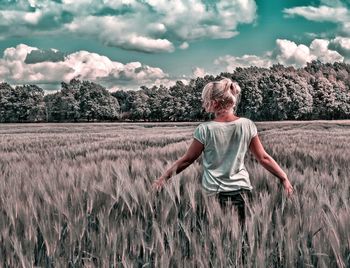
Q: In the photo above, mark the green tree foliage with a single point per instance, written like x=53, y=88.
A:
x=64, y=105
x=285, y=96
x=251, y=99
x=6, y=102
x=124, y=100
x=154, y=102
x=342, y=96
x=21, y=104
x=80, y=101
x=324, y=99
x=96, y=102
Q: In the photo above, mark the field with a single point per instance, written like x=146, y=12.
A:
x=79, y=195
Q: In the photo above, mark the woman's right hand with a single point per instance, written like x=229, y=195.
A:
x=288, y=187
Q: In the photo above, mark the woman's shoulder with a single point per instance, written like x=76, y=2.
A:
x=241, y=121
x=247, y=120
x=204, y=124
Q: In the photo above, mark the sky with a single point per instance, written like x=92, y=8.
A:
x=124, y=44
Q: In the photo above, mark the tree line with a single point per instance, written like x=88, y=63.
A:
x=317, y=91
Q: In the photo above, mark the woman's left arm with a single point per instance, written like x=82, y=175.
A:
x=193, y=152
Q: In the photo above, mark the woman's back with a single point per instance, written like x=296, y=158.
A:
x=225, y=146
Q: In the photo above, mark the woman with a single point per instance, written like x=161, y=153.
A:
x=224, y=142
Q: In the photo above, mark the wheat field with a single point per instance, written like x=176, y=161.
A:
x=79, y=195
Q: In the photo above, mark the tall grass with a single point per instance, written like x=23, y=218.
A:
x=79, y=195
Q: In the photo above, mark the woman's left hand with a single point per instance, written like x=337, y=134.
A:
x=158, y=183
x=288, y=187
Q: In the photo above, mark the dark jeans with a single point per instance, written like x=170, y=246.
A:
x=238, y=199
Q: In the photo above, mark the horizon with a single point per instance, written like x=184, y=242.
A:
x=128, y=43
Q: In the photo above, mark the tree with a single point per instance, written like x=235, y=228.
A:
x=324, y=99
x=6, y=103
x=81, y=101
x=95, y=102
x=285, y=96
x=21, y=104
x=251, y=100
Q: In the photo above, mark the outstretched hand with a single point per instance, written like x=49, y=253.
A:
x=158, y=184
x=288, y=187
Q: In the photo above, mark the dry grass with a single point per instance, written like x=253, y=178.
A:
x=78, y=195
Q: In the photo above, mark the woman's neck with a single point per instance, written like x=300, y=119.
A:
x=225, y=116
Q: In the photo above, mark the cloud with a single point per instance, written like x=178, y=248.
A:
x=84, y=65
x=287, y=53
x=342, y=42
x=320, y=48
x=198, y=72
x=149, y=25
x=114, y=31
x=146, y=44
x=8, y=17
x=342, y=45
x=232, y=62
x=184, y=45
x=321, y=13
x=334, y=11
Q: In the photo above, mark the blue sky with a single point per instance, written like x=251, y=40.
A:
x=123, y=44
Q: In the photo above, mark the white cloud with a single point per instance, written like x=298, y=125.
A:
x=321, y=13
x=198, y=72
x=18, y=53
x=192, y=19
x=170, y=82
x=287, y=53
x=83, y=65
x=149, y=25
x=117, y=32
x=33, y=17
x=184, y=45
x=147, y=44
x=156, y=28
x=320, y=48
x=10, y=17
x=329, y=11
x=232, y=62
x=342, y=44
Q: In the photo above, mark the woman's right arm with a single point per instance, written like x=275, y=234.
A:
x=269, y=163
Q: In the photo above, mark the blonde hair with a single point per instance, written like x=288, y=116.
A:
x=225, y=92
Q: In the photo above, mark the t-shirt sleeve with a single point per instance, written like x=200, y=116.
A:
x=199, y=134
x=253, y=130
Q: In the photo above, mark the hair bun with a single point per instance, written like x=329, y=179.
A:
x=225, y=92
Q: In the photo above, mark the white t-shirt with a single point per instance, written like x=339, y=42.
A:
x=225, y=146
